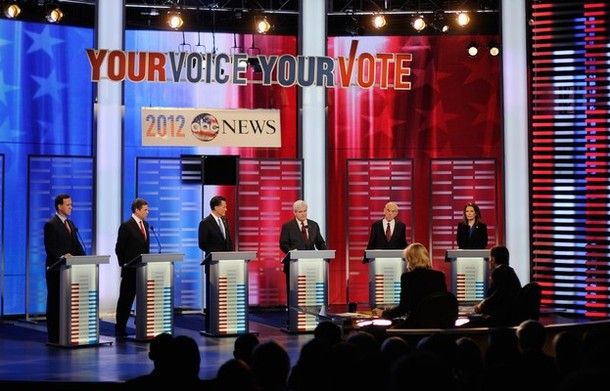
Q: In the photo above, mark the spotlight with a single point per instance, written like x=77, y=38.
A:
x=174, y=20
x=11, y=11
x=262, y=25
x=379, y=21
x=419, y=23
x=54, y=15
x=462, y=19
x=473, y=49
x=494, y=49
x=439, y=23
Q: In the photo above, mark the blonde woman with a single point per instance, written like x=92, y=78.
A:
x=419, y=281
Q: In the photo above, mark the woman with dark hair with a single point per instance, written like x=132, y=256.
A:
x=471, y=232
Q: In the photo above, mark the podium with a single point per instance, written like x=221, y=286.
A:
x=79, y=300
x=385, y=269
x=228, y=288
x=469, y=274
x=155, y=294
x=308, y=286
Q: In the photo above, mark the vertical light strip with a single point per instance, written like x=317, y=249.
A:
x=516, y=183
x=312, y=33
x=109, y=124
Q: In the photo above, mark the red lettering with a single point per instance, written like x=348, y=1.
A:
x=96, y=57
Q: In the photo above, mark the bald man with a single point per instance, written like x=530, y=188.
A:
x=388, y=233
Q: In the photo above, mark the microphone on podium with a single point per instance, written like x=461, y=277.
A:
x=152, y=229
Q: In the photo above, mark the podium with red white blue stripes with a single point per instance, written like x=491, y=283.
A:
x=79, y=300
x=385, y=269
x=469, y=274
x=228, y=288
x=308, y=285
x=155, y=294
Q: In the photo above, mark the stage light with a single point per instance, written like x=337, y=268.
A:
x=439, y=23
x=11, y=11
x=473, y=49
x=494, y=49
x=419, y=23
x=462, y=19
x=174, y=20
x=54, y=15
x=262, y=25
x=379, y=21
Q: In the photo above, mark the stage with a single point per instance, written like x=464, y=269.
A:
x=25, y=356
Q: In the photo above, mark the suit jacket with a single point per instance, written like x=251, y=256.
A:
x=478, y=239
x=291, y=237
x=130, y=242
x=414, y=286
x=210, y=236
x=378, y=241
x=58, y=241
x=501, y=294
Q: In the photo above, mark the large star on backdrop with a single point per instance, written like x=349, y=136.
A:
x=49, y=85
x=43, y=41
x=4, y=88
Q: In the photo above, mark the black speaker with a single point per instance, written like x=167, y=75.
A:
x=219, y=169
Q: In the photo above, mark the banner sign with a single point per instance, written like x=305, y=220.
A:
x=193, y=127
x=366, y=70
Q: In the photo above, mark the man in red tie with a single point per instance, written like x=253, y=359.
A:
x=60, y=241
x=388, y=233
x=132, y=240
x=300, y=234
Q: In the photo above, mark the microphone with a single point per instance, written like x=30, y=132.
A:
x=80, y=239
x=152, y=229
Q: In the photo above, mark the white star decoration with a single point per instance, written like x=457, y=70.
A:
x=4, y=88
x=48, y=86
x=43, y=41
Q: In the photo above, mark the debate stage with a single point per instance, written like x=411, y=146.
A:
x=25, y=357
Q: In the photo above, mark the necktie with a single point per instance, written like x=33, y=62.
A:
x=388, y=232
x=222, y=228
x=304, y=232
x=67, y=226
x=142, y=229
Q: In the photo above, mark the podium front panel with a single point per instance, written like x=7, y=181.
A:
x=469, y=279
x=154, y=300
x=79, y=305
x=228, y=281
x=384, y=281
x=308, y=287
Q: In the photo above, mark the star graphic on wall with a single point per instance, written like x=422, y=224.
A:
x=4, y=88
x=43, y=41
x=48, y=86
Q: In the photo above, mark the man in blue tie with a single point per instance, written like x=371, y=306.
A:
x=214, y=235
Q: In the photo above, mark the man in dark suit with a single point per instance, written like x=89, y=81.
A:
x=388, y=233
x=299, y=234
x=132, y=240
x=214, y=235
x=502, y=291
x=60, y=241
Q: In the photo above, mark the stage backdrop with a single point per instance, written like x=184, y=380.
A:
x=432, y=149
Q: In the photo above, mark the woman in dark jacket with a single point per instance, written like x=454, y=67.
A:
x=472, y=233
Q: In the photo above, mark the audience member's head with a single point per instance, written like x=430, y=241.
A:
x=328, y=332
x=499, y=255
x=394, y=348
x=243, y=347
x=531, y=335
x=441, y=345
x=235, y=375
x=420, y=371
x=160, y=350
x=186, y=358
x=567, y=351
x=365, y=343
x=270, y=364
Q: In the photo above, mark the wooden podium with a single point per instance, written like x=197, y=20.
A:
x=227, y=306
x=385, y=269
x=79, y=308
x=469, y=274
x=155, y=294
x=308, y=287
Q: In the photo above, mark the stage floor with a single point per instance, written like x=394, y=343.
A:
x=24, y=354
